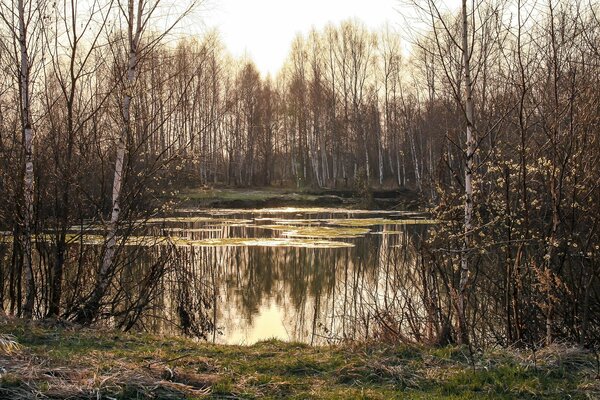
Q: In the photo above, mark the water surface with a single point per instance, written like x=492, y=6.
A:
x=303, y=274
x=316, y=275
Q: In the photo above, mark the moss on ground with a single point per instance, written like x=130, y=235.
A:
x=60, y=361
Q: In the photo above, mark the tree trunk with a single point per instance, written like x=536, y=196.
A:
x=463, y=335
x=379, y=149
x=28, y=179
x=90, y=310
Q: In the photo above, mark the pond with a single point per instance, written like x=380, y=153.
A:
x=238, y=276
x=295, y=274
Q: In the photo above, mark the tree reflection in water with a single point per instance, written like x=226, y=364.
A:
x=243, y=294
x=241, y=276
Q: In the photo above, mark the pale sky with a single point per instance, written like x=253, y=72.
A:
x=264, y=29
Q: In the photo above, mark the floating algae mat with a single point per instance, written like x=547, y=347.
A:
x=286, y=221
x=282, y=228
x=317, y=231
x=191, y=230
x=149, y=241
x=289, y=227
x=293, y=210
x=144, y=241
x=326, y=232
x=207, y=220
x=379, y=221
x=264, y=242
x=385, y=232
x=70, y=238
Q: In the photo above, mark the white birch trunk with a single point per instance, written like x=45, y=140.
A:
x=380, y=154
x=367, y=165
x=413, y=149
x=324, y=165
x=111, y=238
x=399, y=175
x=28, y=179
x=470, y=144
x=334, y=166
x=103, y=280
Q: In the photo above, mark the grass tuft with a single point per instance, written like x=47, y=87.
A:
x=9, y=344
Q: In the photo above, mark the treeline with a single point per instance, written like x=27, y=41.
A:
x=493, y=118
x=334, y=111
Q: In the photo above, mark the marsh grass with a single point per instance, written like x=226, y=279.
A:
x=70, y=362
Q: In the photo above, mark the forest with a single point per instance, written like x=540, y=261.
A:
x=107, y=111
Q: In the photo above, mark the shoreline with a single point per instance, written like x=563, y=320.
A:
x=264, y=197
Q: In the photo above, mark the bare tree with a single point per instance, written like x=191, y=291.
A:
x=470, y=153
x=137, y=15
x=83, y=46
x=23, y=20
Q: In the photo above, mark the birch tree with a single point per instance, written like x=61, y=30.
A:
x=469, y=155
x=28, y=178
x=449, y=41
x=83, y=35
x=137, y=17
x=23, y=21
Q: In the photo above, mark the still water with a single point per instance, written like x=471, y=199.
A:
x=295, y=274
x=313, y=275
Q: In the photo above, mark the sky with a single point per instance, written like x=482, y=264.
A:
x=263, y=30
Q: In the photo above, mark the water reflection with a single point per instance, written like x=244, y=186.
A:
x=295, y=292
x=241, y=276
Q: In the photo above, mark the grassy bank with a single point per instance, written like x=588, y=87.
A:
x=225, y=197
x=69, y=362
x=276, y=197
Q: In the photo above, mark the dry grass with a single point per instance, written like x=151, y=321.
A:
x=29, y=374
x=32, y=377
x=9, y=344
x=67, y=362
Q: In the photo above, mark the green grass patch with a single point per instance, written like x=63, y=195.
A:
x=244, y=195
x=60, y=361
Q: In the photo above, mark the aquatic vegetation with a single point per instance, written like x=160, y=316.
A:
x=282, y=228
x=149, y=241
x=294, y=210
x=264, y=242
x=195, y=219
x=315, y=230
x=298, y=231
x=191, y=230
x=379, y=221
x=299, y=240
x=290, y=221
x=326, y=232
